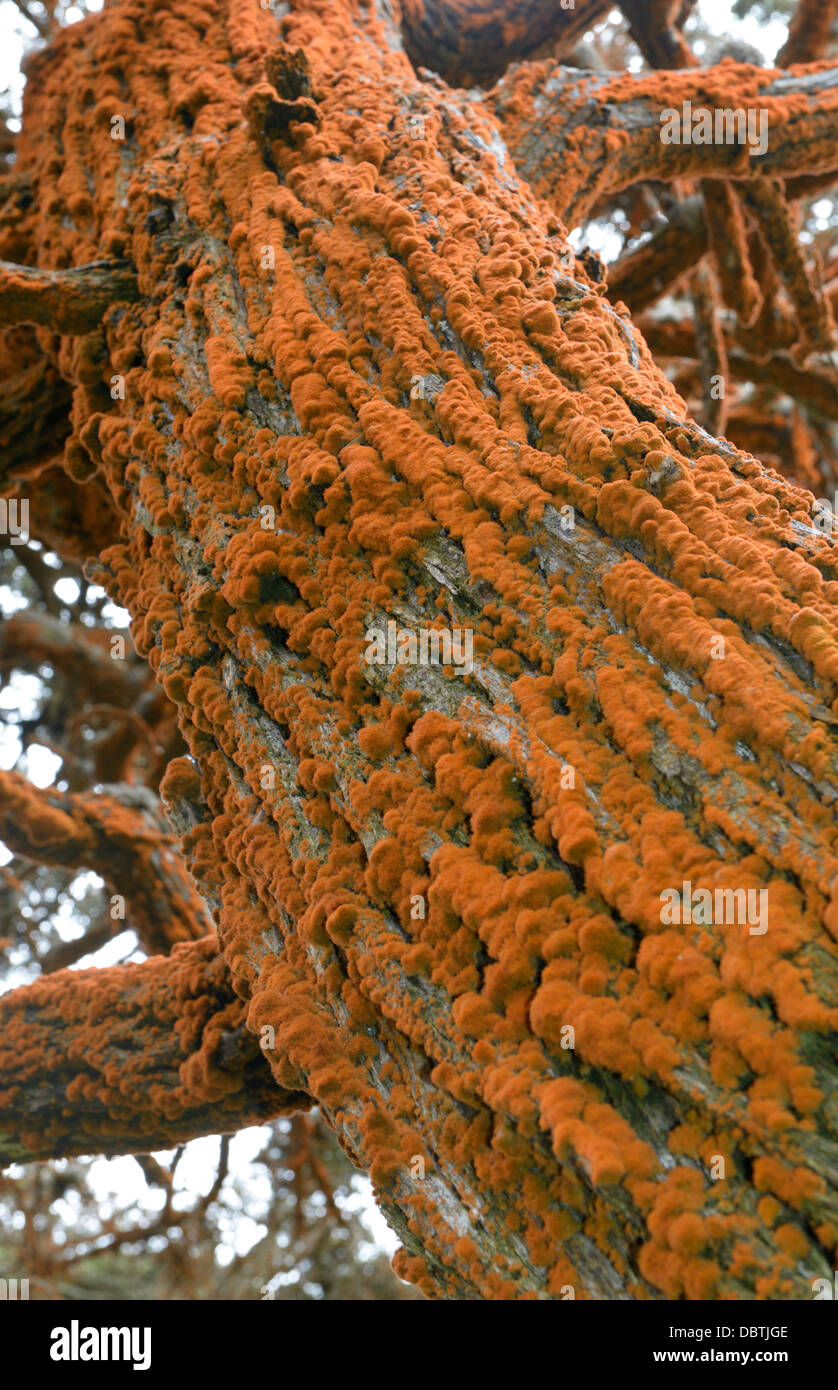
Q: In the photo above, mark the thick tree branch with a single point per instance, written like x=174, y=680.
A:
x=644, y=274
x=131, y=1058
x=650, y=270
x=34, y=405
x=576, y=137
x=473, y=41
x=65, y=953
x=728, y=239
x=710, y=344
x=809, y=32
x=766, y=201
x=654, y=26
x=127, y=728
x=72, y=518
x=81, y=655
x=125, y=843
x=68, y=301
x=812, y=387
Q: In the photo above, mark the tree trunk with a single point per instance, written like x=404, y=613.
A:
x=366, y=381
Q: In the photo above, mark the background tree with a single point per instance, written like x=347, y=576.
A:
x=297, y=345
x=163, y=1242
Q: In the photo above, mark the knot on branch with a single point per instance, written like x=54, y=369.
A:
x=593, y=265
x=289, y=72
x=286, y=96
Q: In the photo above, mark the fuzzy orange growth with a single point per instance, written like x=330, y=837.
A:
x=369, y=382
x=150, y=1053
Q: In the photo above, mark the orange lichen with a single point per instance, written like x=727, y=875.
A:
x=91, y=1058
x=365, y=383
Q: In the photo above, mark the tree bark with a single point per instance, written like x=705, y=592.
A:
x=578, y=136
x=69, y=301
x=808, y=32
x=130, y=1058
x=473, y=43
x=367, y=322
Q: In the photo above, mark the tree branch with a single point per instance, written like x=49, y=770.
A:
x=710, y=344
x=808, y=34
x=42, y=26
x=79, y=653
x=652, y=25
x=766, y=201
x=578, y=136
x=34, y=409
x=75, y=519
x=811, y=387
x=67, y=301
x=728, y=239
x=644, y=274
x=126, y=844
x=473, y=41
x=128, y=1059
x=65, y=953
